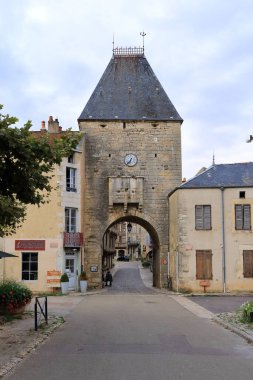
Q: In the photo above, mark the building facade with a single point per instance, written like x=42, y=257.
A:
x=210, y=231
x=50, y=241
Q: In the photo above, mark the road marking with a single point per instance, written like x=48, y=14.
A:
x=196, y=309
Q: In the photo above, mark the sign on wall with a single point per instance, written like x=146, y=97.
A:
x=53, y=278
x=37, y=245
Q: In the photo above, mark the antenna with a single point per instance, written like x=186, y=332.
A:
x=143, y=34
x=113, y=41
x=213, y=159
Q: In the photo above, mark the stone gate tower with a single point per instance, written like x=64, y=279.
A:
x=132, y=157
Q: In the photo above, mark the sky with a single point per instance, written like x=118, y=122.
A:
x=53, y=53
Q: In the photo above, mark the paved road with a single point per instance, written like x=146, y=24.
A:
x=220, y=304
x=127, y=279
x=128, y=335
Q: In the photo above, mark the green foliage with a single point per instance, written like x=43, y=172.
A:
x=247, y=309
x=26, y=165
x=14, y=295
x=64, y=277
x=83, y=276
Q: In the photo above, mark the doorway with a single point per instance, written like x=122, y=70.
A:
x=71, y=270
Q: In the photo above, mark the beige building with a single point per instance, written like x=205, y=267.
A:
x=210, y=231
x=51, y=239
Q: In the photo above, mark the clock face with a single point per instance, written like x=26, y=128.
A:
x=130, y=159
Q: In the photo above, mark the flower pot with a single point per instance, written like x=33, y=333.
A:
x=83, y=286
x=64, y=287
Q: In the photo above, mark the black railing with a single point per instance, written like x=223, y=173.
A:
x=128, y=51
x=40, y=311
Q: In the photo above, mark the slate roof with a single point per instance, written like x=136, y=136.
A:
x=223, y=175
x=129, y=90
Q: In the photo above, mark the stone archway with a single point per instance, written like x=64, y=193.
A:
x=155, y=242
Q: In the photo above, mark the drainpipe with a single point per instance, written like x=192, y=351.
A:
x=177, y=274
x=223, y=241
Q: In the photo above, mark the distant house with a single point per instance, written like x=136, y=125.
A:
x=210, y=230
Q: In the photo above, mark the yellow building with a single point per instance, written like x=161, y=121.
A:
x=51, y=239
x=210, y=231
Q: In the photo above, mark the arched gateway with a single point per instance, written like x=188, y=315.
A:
x=132, y=136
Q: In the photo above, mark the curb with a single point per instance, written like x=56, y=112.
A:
x=236, y=330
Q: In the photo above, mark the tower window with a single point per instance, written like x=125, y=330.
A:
x=124, y=124
x=241, y=194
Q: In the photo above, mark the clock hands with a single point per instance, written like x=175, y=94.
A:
x=129, y=161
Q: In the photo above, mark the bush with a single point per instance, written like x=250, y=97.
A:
x=14, y=295
x=247, y=309
x=146, y=264
x=64, y=277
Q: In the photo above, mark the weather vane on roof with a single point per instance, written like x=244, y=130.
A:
x=143, y=35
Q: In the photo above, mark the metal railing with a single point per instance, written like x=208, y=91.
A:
x=40, y=312
x=128, y=51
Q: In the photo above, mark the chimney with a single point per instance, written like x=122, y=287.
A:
x=60, y=129
x=184, y=180
x=43, y=126
x=53, y=125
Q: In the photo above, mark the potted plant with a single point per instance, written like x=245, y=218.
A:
x=83, y=282
x=64, y=283
x=14, y=297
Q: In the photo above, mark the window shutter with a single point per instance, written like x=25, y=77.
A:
x=248, y=263
x=207, y=217
x=238, y=217
x=208, y=266
x=204, y=265
x=199, y=265
x=198, y=217
x=246, y=217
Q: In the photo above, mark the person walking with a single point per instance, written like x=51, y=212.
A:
x=108, y=278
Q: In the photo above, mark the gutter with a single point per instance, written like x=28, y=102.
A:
x=223, y=241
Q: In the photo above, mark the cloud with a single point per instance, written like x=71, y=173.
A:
x=53, y=53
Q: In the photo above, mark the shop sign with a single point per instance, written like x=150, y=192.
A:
x=36, y=245
x=54, y=278
x=94, y=268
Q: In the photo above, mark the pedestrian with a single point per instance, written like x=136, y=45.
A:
x=108, y=278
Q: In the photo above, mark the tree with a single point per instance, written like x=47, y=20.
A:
x=26, y=165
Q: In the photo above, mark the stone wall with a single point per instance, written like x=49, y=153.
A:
x=158, y=149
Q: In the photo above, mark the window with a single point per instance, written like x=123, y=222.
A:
x=70, y=179
x=203, y=217
x=29, y=266
x=242, y=217
x=241, y=194
x=248, y=263
x=70, y=219
x=204, y=265
x=71, y=158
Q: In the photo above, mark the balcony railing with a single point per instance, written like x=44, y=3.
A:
x=72, y=239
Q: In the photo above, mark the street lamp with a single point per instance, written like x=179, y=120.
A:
x=129, y=227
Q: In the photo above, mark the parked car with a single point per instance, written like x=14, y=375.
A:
x=123, y=258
